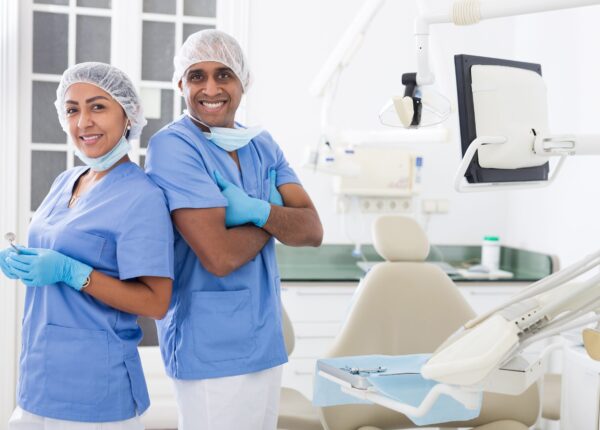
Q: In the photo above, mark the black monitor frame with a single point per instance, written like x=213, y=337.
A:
x=466, y=113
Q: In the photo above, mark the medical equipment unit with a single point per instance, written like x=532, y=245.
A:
x=489, y=354
x=506, y=145
x=511, y=143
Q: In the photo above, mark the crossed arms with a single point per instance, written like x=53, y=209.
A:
x=222, y=250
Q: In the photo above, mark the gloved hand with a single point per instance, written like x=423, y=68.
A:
x=37, y=267
x=242, y=208
x=4, y=254
x=274, y=196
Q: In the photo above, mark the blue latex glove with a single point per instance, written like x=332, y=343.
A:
x=274, y=196
x=242, y=208
x=4, y=254
x=37, y=267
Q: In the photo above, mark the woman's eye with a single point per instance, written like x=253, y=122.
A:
x=71, y=111
x=98, y=107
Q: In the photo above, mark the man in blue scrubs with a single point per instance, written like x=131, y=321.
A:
x=231, y=192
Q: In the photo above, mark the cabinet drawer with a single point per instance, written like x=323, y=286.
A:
x=312, y=347
x=299, y=374
x=316, y=304
x=483, y=299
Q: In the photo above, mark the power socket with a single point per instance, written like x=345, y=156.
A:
x=435, y=206
x=375, y=204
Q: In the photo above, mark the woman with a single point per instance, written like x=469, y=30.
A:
x=100, y=254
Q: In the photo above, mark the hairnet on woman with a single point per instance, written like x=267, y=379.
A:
x=99, y=254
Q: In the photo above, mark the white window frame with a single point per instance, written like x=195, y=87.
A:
x=9, y=149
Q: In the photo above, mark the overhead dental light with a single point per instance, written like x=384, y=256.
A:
x=420, y=106
x=416, y=106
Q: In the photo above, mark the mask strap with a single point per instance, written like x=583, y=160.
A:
x=209, y=132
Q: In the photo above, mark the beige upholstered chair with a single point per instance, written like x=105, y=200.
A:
x=407, y=306
x=296, y=412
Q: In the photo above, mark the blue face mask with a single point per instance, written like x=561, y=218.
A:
x=229, y=139
x=107, y=160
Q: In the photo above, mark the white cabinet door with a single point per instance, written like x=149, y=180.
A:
x=482, y=298
x=317, y=313
x=580, y=391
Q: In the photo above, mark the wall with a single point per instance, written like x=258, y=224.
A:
x=563, y=218
x=288, y=41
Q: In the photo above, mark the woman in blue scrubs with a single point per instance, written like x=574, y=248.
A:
x=99, y=254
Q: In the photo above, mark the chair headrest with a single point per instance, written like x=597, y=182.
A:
x=399, y=238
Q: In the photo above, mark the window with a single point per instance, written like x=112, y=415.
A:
x=65, y=32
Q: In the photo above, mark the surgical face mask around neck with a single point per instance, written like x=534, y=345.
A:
x=106, y=161
x=228, y=139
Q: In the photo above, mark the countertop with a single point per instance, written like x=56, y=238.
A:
x=335, y=263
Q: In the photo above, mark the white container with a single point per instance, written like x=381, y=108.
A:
x=490, y=253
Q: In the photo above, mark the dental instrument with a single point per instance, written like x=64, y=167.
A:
x=11, y=237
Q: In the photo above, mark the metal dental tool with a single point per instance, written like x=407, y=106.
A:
x=11, y=237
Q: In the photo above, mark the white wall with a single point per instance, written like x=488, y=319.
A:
x=289, y=40
x=563, y=219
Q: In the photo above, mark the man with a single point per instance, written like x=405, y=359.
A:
x=230, y=192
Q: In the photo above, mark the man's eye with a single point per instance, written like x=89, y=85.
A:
x=195, y=77
x=225, y=75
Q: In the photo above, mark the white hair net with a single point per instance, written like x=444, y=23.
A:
x=211, y=45
x=110, y=79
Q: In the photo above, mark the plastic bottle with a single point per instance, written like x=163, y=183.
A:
x=490, y=252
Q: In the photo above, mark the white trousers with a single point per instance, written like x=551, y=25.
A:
x=249, y=401
x=23, y=420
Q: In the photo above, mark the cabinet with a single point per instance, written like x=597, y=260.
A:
x=318, y=310
x=580, y=391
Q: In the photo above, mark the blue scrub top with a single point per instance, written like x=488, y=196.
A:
x=218, y=326
x=79, y=358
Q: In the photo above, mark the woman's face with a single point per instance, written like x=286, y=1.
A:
x=95, y=120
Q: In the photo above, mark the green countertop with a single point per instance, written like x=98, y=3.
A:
x=333, y=263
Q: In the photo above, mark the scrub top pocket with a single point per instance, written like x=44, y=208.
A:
x=77, y=366
x=222, y=325
x=83, y=246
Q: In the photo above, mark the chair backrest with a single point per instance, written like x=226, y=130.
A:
x=408, y=307
x=288, y=332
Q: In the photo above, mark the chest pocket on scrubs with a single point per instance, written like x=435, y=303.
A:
x=222, y=325
x=76, y=363
x=82, y=246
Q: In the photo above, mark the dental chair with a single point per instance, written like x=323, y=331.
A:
x=407, y=306
x=296, y=412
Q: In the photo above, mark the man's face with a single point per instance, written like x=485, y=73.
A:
x=212, y=93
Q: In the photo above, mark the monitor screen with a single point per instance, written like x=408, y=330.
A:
x=468, y=131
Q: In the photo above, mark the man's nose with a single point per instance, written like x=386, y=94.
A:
x=211, y=88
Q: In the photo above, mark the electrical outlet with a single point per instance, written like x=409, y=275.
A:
x=435, y=206
x=344, y=204
x=428, y=206
x=385, y=204
x=442, y=206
